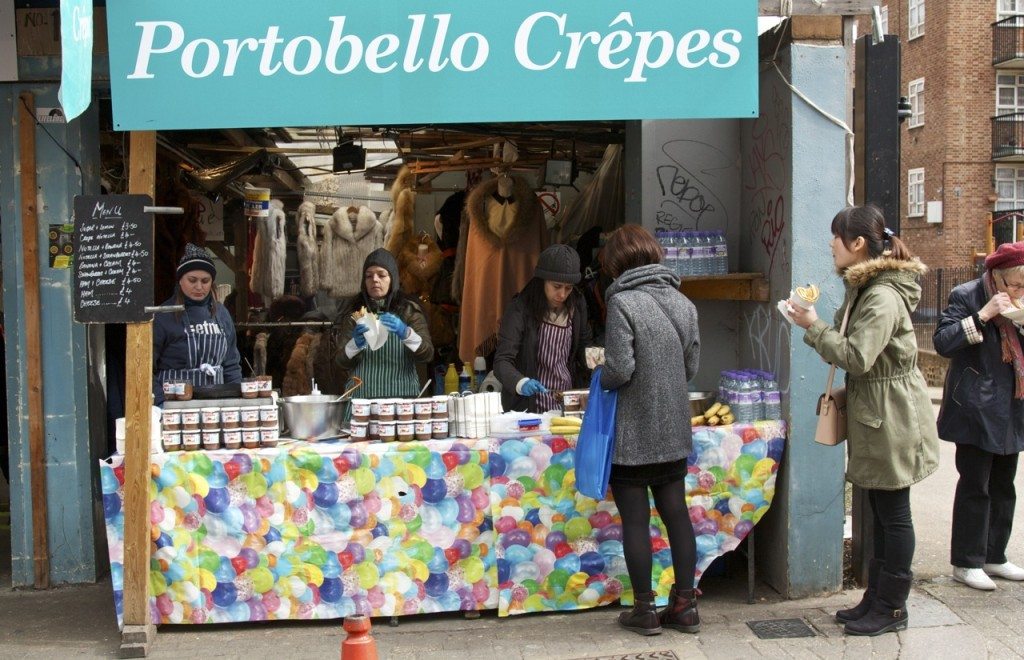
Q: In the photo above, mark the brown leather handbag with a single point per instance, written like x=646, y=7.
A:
x=831, y=410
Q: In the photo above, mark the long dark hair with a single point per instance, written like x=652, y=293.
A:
x=536, y=302
x=868, y=221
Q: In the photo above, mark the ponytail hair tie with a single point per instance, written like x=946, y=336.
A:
x=888, y=232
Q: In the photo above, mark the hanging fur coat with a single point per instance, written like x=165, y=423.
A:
x=498, y=249
x=402, y=222
x=299, y=373
x=267, y=275
x=419, y=266
x=354, y=233
x=306, y=249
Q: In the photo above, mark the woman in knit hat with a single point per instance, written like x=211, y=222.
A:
x=197, y=345
x=389, y=371
x=983, y=413
x=543, y=334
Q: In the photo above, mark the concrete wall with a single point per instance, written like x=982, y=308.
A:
x=793, y=183
x=73, y=512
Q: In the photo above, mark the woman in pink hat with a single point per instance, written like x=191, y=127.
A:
x=983, y=413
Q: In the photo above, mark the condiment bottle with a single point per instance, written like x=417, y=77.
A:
x=451, y=379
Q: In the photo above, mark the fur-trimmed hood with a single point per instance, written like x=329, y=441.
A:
x=902, y=275
x=341, y=225
x=527, y=208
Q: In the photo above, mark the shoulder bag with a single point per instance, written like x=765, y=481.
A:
x=832, y=404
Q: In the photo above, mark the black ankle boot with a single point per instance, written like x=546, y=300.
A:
x=889, y=611
x=643, y=618
x=681, y=613
x=860, y=609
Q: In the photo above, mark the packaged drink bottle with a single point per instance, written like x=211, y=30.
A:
x=479, y=372
x=451, y=379
x=465, y=378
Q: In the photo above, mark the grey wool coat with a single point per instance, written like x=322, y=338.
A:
x=652, y=348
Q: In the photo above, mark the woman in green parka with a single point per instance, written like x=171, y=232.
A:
x=891, y=431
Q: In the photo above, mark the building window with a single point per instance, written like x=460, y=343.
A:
x=1009, y=93
x=885, y=19
x=1009, y=9
x=915, y=92
x=915, y=193
x=1009, y=188
x=915, y=22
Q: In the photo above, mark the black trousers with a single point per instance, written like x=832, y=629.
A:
x=894, y=529
x=983, y=507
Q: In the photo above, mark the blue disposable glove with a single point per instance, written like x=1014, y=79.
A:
x=394, y=324
x=357, y=335
x=533, y=387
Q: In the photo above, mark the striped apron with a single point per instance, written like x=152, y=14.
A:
x=388, y=372
x=554, y=343
x=207, y=346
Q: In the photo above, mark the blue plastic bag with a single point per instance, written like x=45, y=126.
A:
x=596, y=441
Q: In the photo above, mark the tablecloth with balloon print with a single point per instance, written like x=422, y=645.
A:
x=325, y=531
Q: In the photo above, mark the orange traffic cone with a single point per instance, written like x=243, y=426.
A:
x=359, y=644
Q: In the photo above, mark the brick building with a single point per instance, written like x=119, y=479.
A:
x=963, y=146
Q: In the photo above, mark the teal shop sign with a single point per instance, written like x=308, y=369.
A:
x=201, y=64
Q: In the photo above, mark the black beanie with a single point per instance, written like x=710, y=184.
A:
x=384, y=259
x=559, y=263
x=195, y=258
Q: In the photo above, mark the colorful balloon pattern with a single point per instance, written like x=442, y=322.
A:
x=324, y=531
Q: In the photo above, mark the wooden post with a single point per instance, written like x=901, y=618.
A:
x=241, y=272
x=33, y=339
x=138, y=629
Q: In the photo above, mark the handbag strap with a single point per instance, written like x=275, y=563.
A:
x=832, y=367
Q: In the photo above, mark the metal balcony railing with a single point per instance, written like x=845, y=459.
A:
x=1008, y=41
x=1008, y=136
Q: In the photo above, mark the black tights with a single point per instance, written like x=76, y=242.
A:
x=894, y=529
x=635, y=510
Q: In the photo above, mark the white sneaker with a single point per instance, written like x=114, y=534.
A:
x=1007, y=571
x=974, y=578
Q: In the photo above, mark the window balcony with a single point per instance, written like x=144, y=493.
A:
x=1008, y=137
x=1008, y=42
x=1008, y=226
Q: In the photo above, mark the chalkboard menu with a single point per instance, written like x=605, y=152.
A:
x=113, y=258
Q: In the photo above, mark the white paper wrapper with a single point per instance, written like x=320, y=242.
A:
x=594, y=356
x=376, y=335
x=1016, y=315
x=782, y=306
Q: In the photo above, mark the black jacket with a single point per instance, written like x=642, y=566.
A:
x=516, y=355
x=978, y=406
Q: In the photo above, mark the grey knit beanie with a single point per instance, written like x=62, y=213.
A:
x=195, y=258
x=559, y=263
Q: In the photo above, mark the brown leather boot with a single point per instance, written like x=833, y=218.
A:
x=681, y=613
x=643, y=618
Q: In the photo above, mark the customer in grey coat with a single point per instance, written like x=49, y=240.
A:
x=652, y=348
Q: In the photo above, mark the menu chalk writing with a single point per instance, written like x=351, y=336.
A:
x=113, y=258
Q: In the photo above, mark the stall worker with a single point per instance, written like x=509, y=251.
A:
x=197, y=345
x=983, y=413
x=389, y=371
x=543, y=334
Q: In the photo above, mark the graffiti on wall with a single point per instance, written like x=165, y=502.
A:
x=768, y=334
x=765, y=182
x=688, y=176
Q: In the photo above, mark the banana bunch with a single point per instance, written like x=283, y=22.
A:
x=565, y=425
x=717, y=415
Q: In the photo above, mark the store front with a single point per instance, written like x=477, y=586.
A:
x=765, y=183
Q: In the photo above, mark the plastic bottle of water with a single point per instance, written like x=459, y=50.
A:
x=671, y=260
x=682, y=253
x=697, y=254
x=721, y=254
x=772, y=398
x=710, y=256
x=743, y=407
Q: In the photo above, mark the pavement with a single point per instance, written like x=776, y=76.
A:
x=947, y=619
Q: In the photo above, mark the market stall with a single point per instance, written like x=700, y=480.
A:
x=324, y=530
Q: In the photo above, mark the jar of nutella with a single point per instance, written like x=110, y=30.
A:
x=358, y=431
x=405, y=431
x=571, y=401
x=374, y=409
x=266, y=386
x=269, y=437
x=250, y=438
x=386, y=410
x=439, y=428
x=405, y=409
x=230, y=418
x=233, y=438
x=170, y=391
x=373, y=429
x=387, y=431
x=360, y=410
x=170, y=420
x=268, y=417
x=190, y=419
x=250, y=388
x=191, y=440
x=183, y=389
x=422, y=429
x=423, y=408
x=211, y=439
x=210, y=418
x=250, y=416
x=439, y=407
x=171, y=440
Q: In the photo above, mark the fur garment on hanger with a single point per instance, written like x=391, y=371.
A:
x=270, y=251
x=306, y=249
x=354, y=233
x=298, y=374
x=259, y=353
x=403, y=221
